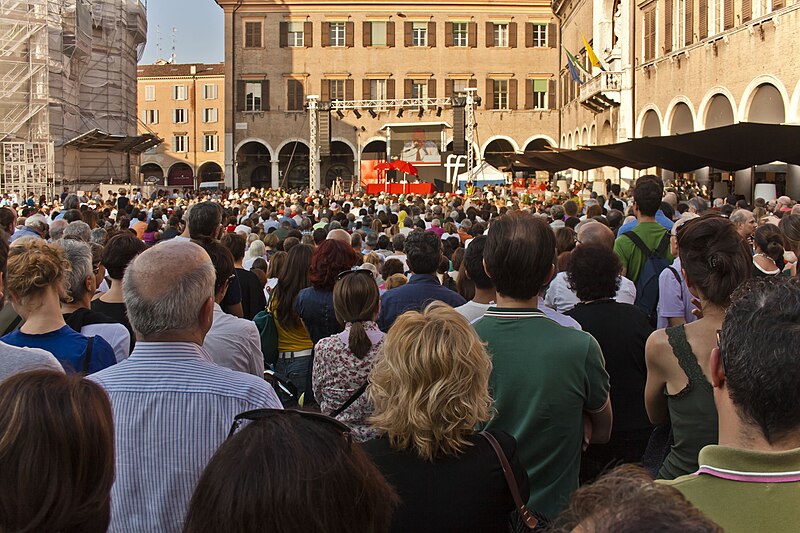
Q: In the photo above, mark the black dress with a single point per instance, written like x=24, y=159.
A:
x=621, y=330
x=117, y=312
x=253, y=299
x=452, y=494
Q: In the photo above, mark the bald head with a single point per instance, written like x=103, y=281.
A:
x=339, y=235
x=597, y=234
x=166, y=287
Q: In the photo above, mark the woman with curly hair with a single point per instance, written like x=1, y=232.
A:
x=430, y=389
x=621, y=330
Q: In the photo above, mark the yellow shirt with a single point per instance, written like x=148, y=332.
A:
x=293, y=339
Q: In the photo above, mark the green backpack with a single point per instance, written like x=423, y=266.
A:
x=268, y=331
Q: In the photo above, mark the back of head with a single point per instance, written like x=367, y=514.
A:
x=355, y=301
x=394, y=281
x=769, y=239
x=37, y=222
x=119, y=251
x=715, y=258
x=78, y=229
x=339, y=234
x=758, y=346
x=423, y=250
x=399, y=242
x=571, y=208
x=79, y=256
x=34, y=265
x=329, y=259
x=55, y=427
x=71, y=202
x=204, y=220
x=73, y=215
x=166, y=286
x=57, y=228
x=519, y=254
x=292, y=278
x=790, y=226
x=647, y=196
x=222, y=259
x=593, y=272
x=392, y=267
x=596, y=234
x=473, y=263
x=430, y=388
x=236, y=243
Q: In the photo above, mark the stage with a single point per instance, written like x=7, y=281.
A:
x=401, y=188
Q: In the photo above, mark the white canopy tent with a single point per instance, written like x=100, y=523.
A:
x=483, y=174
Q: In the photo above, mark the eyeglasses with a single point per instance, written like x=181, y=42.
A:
x=721, y=353
x=354, y=270
x=261, y=414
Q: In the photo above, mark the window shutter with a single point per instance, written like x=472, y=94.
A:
x=652, y=33
x=407, y=27
x=265, y=95
x=407, y=88
x=488, y=103
x=390, y=34
x=528, y=94
x=432, y=88
x=702, y=16
x=448, y=34
x=366, y=34
x=747, y=10
x=349, y=34
x=777, y=4
x=325, y=93
x=448, y=88
x=512, y=94
x=390, y=91
x=284, y=34
x=689, y=22
x=512, y=34
x=472, y=34
x=144, y=116
x=365, y=86
x=489, y=34
x=551, y=94
x=728, y=14
x=290, y=105
x=528, y=35
x=473, y=83
x=668, y=26
x=241, y=96
x=326, y=34
x=551, y=35
x=432, y=34
x=349, y=89
x=308, y=34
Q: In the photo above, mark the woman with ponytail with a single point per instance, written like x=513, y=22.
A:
x=343, y=361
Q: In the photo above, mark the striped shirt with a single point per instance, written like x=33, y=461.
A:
x=172, y=409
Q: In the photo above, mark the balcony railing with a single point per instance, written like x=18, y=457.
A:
x=602, y=91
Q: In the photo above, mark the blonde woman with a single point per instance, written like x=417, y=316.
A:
x=430, y=390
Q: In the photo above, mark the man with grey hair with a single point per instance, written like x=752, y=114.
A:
x=745, y=223
x=172, y=405
x=57, y=228
x=76, y=307
x=79, y=230
x=35, y=226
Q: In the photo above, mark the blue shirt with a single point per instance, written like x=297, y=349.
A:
x=172, y=408
x=68, y=346
x=661, y=218
x=421, y=290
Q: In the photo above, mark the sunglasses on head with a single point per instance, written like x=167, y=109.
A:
x=354, y=270
x=261, y=414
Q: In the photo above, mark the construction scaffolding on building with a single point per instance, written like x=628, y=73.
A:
x=67, y=74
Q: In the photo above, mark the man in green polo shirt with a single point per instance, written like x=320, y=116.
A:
x=751, y=480
x=646, y=202
x=546, y=378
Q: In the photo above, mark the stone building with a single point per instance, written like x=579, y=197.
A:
x=185, y=106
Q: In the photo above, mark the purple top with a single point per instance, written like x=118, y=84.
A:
x=674, y=300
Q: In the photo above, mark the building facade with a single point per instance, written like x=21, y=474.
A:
x=185, y=106
x=68, y=92
x=279, y=53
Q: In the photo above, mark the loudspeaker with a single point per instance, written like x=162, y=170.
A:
x=459, y=129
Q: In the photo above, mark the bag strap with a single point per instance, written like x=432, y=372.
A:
x=675, y=273
x=662, y=246
x=638, y=242
x=530, y=521
x=87, y=359
x=353, y=397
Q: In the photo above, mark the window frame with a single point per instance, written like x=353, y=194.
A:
x=151, y=116
x=295, y=39
x=336, y=89
x=149, y=93
x=178, y=113
x=210, y=111
x=460, y=38
x=372, y=39
x=210, y=91
x=499, y=35
x=539, y=33
x=247, y=34
x=337, y=33
x=540, y=102
x=419, y=34
x=180, y=93
x=501, y=97
x=250, y=97
x=180, y=139
x=214, y=138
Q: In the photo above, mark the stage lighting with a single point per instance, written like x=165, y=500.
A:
x=400, y=113
x=356, y=113
x=339, y=114
x=438, y=111
x=421, y=112
x=372, y=113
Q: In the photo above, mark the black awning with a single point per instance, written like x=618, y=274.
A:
x=99, y=140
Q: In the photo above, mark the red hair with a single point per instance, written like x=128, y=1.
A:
x=329, y=259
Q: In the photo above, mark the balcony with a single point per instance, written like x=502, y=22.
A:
x=601, y=92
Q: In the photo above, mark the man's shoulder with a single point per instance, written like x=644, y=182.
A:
x=689, y=485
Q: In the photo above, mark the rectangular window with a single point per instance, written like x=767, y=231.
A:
x=210, y=92
x=716, y=16
x=419, y=34
x=460, y=86
x=210, y=142
x=253, y=30
x=378, y=34
x=337, y=34
x=540, y=35
x=501, y=35
x=460, y=34
x=180, y=143
x=210, y=115
x=150, y=93
x=337, y=90
x=678, y=23
x=540, y=94
x=419, y=89
x=296, y=34
x=294, y=95
x=151, y=116
x=180, y=116
x=650, y=34
x=180, y=92
x=252, y=97
x=500, y=94
x=377, y=90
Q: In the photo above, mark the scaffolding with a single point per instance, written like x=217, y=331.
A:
x=67, y=67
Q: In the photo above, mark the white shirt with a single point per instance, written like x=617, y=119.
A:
x=234, y=343
x=116, y=335
x=561, y=298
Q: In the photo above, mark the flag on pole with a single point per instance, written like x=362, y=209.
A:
x=573, y=71
x=576, y=62
x=592, y=56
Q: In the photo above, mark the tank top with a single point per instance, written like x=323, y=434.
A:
x=691, y=411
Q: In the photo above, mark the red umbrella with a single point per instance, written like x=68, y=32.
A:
x=383, y=166
x=405, y=167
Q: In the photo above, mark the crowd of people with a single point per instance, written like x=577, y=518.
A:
x=258, y=360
